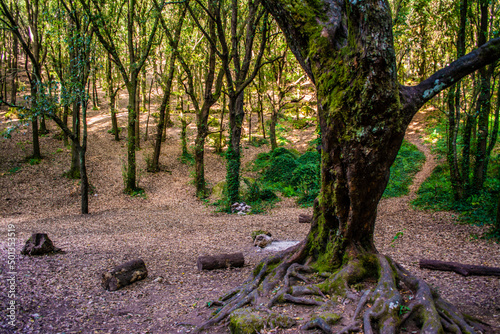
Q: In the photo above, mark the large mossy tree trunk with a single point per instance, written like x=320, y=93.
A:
x=346, y=48
x=361, y=118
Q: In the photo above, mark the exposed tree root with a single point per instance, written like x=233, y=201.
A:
x=381, y=308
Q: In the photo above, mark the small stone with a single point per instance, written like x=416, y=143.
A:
x=262, y=240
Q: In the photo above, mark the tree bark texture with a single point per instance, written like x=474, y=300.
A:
x=124, y=274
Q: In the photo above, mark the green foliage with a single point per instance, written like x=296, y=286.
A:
x=300, y=123
x=216, y=141
x=34, y=161
x=283, y=151
x=11, y=114
x=310, y=157
x=139, y=192
x=408, y=162
x=112, y=131
x=299, y=175
x=14, y=170
x=476, y=208
x=258, y=141
x=281, y=132
x=403, y=309
x=186, y=158
x=293, y=174
x=258, y=196
x=398, y=235
x=281, y=169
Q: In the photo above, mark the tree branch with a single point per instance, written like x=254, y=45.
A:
x=414, y=97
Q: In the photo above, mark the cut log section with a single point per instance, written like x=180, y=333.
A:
x=305, y=219
x=124, y=275
x=221, y=261
x=460, y=268
x=39, y=244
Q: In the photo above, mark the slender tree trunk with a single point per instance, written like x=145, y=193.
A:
x=164, y=109
x=452, y=155
x=84, y=181
x=249, y=118
x=13, y=77
x=218, y=149
x=114, y=118
x=65, y=121
x=466, y=151
x=95, y=97
x=131, y=181
x=112, y=98
x=482, y=122
x=148, y=107
x=494, y=130
x=233, y=154
x=199, y=151
x=74, y=170
x=43, y=126
x=138, y=115
x=483, y=105
x=36, y=143
x=272, y=127
x=261, y=109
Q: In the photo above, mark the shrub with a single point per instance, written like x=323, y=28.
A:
x=281, y=169
x=310, y=157
x=408, y=162
x=305, y=174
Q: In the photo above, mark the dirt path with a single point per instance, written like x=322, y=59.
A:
x=413, y=136
x=169, y=229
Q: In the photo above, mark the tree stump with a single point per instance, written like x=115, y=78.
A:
x=40, y=244
x=221, y=261
x=305, y=219
x=124, y=274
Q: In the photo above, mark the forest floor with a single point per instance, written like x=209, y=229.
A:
x=170, y=228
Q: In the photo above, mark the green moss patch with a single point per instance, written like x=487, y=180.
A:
x=249, y=321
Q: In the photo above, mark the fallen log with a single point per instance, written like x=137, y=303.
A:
x=124, y=274
x=305, y=219
x=40, y=244
x=221, y=261
x=460, y=268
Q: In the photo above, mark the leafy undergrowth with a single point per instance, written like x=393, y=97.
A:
x=479, y=208
x=296, y=175
x=408, y=162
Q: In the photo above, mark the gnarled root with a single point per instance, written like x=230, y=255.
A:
x=396, y=301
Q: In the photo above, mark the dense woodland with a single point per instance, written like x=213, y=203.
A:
x=241, y=73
